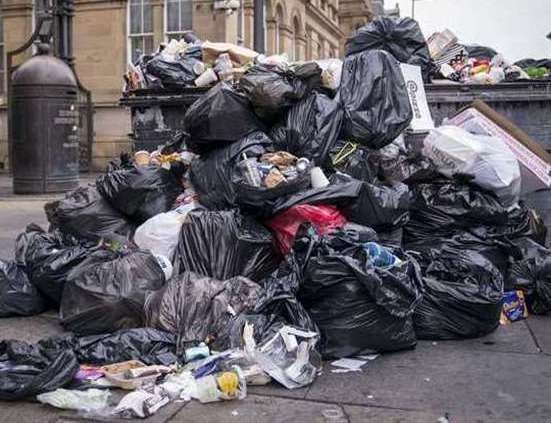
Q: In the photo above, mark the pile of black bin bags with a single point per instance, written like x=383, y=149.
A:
x=388, y=252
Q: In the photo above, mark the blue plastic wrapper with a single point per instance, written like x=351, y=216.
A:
x=514, y=307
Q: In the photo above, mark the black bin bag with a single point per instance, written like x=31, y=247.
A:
x=150, y=346
x=30, y=369
x=383, y=207
x=352, y=159
x=197, y=308
x=218, y=179
x=310, y=129
x=174, y=74
x=18, y=297
x=272, y=89
x=140, y=192
x=444, y=206
x=374, y=98
x=48, y=258
x=225, y=244
x=462, y=295
x=218, y=118
x=401, y=37
x=107, y=292
x=358, y=307
x=531, y=273
x=85, y=214
x=212, y=174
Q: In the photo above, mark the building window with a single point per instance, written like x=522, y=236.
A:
x=178, y=18
x=320, y=48
x=2, y=61
x=140, y=28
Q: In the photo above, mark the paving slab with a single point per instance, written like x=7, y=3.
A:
x=357, y=414
x=255, y=409
x=515, y=337
x=277, y=390
x=541, y=330
x=445, y=378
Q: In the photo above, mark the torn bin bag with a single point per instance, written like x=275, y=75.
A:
x=311, y=128
x=401, y=37
x=462, y=296
x=212, y=173
x=48, y=260
x=198, y=307
x=107, y=292
x=220, y=117
x=140, y=192
x=286, y=224
x=358, y=306
x=30, y=369
x=374, y=98
x=18, y=297
x=85, y=214
x=225, y=244
x=531, y=273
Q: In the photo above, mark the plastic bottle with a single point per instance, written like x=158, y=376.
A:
x=250, y=171
x=380, y=256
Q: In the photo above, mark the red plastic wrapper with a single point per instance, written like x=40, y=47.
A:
x=286, y=224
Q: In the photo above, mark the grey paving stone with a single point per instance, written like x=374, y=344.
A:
x=541, y=329
x=257, y=409
x=358, y=414
x=441, y=378
x=277, y=390
x=30, y=329
x=515, y=337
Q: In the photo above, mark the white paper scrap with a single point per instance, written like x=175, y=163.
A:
x=349, y=363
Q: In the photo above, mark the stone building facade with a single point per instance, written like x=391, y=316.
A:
x=109, y=33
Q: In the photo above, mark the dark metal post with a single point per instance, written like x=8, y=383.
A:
x=259, y=42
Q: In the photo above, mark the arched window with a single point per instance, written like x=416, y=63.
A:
x=296, y=42
x=278, y=31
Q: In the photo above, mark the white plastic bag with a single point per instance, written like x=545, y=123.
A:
x=160, y=233
x=91, y=400
x=488, y=159
x=331, y=72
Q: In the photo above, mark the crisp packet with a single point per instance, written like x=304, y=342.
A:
x=514, y=307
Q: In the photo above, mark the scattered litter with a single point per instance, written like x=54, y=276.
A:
x=349, y=364
x=89, y=400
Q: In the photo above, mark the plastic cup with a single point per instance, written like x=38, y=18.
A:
x=319, y=180
x=206, y=78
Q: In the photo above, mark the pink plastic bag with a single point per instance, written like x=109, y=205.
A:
x=286, y=224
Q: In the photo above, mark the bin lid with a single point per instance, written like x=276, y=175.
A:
x=44, y=70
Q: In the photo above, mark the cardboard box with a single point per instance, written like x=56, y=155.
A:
x=535, y=162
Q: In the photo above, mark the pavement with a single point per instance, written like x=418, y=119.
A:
x=505, y=376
